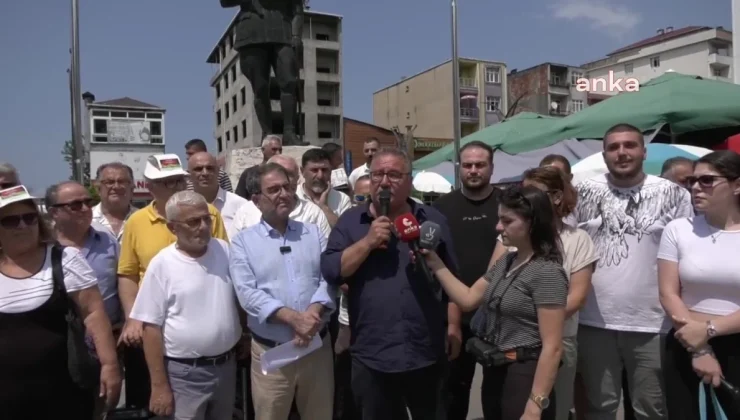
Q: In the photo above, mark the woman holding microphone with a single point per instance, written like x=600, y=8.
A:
x=523, y=298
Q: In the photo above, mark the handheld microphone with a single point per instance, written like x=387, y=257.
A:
x=409, y=231
x=430, y=235
x=384, y=199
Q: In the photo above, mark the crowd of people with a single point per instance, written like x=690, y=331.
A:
x=571, y=298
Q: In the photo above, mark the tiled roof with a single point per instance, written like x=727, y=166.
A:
x=127, y=102
x=676, y=33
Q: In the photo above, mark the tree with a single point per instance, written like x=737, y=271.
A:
x=67, y=153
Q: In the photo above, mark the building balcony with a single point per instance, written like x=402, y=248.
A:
x=559, y=113
x=328, y=77
x=468, y=83
x=469, y=114
x=328, y=110
x=322, y=44
x=719, y=61
x=721, y=79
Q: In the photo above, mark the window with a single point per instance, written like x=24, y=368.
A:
x=136, y=115
x=493, y=74
x=236, y=133
x=244, y=96
x=326, y=135
x=154, y=115
x=322, y=37
x=576, y=105
x=220, y=144
x=574, y=77
x=244, y=129
x=116, y=114
x=233, y=74
x=218, y=90
x=100, y=126
x=717, y=72
x=218, y=117
x=629, y=68
x=227, y=111
x=228, y=137
x=493, y=103
x=233, y=102
x=323, y=102
x=226, y=82
x=655, y=62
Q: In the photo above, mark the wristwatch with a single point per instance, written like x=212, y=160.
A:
x=541, y=401
x=711, y=331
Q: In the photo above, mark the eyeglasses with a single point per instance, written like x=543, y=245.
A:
x=112, y=183
x=361, y=198
x=393, y=176
x=705, y=181
x=14, y=221
x=196, y=222
x=211, y=169
x=171, y=183
x=76, y=205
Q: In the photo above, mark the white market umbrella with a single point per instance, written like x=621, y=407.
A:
x=657, y=153
x=430, y=182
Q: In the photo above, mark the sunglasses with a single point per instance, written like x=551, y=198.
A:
x=14, y=221
x=6, y=185
x=361, y=198
x=76, y=205
x=706, y=181
x=196, y=222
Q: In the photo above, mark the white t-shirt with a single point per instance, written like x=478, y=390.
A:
x=337, y=201
x=708, y=264
x=625, y=225
x=24, y=295
x=192, y=299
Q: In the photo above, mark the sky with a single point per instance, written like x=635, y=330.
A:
x=155, y=51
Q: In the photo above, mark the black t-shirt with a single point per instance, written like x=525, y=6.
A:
x=473, y=226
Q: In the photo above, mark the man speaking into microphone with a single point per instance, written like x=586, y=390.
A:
x=398, y=319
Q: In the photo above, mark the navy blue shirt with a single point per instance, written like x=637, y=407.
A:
x=397, y=323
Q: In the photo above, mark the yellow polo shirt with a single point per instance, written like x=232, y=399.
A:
x=146, y=233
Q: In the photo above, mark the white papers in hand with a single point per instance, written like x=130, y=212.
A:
x=287, y=353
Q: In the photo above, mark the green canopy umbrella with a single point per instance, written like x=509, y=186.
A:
x=687, y=103
x=499, y=136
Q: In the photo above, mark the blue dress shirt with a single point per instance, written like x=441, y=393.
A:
x=397, y=323
x=101, y=250
x=267, y=279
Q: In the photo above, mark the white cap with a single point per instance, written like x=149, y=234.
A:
x=163, y=166
x=13, y=195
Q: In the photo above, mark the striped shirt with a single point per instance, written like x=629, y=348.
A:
x=514, y=323
x=223, y=180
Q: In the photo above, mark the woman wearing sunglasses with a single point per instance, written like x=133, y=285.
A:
x=699, y=274
x=522, y=299
x=34, y=379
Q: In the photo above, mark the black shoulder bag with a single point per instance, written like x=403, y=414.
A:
x=83, y=367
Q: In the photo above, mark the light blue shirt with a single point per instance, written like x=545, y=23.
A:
x=101, y=251
x=267, y=279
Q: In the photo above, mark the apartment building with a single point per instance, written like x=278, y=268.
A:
x=320, y=119
x=425, y=100
x=547, y=89
x=698, y=50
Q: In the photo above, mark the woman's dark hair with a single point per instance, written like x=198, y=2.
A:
x=726, y=162
x=46, y=231
x=553, y=179
x=534, y=206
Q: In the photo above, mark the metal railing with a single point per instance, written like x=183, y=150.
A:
x=469, y=113
x=468, y=82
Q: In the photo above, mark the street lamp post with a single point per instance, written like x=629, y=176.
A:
x=456, y=94
x=736, y=41
x=77, y=142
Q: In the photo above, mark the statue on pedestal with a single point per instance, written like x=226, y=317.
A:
x=269, y=35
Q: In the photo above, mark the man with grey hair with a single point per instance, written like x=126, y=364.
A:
x=272, y=145
x=191, y=321
x=8, y=176
x=303, y=210
x=115, y=184
x=677, y=169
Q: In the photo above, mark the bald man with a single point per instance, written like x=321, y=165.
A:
x=204, y=170
x=304, y=211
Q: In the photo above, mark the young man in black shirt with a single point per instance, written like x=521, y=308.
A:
x=472, y=214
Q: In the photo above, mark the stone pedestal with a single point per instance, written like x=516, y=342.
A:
x=241, y=159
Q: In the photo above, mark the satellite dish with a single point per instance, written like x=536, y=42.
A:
x=554, y=105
